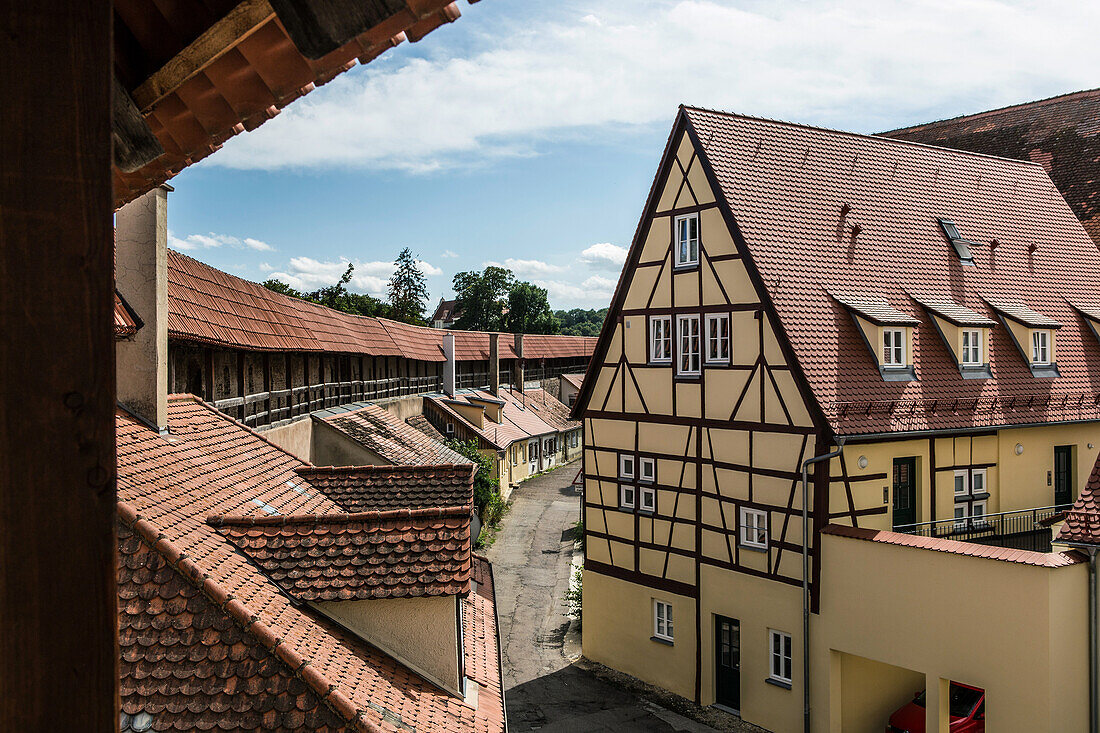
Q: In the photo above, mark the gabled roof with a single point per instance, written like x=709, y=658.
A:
x=795, y=196
x=384, y=488
x=1082, y=522
x=574, y=379
x=1061, y=133
x=385, y=434
x=207, y=465
x=401, y=553
x=953, y=312
x=524, y=415
x=445, y=311
x=421, y=423
x=874, y=308
x=209, y=306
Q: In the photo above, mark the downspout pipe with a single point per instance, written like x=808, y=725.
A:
x=1094, y=646
x=806, y=578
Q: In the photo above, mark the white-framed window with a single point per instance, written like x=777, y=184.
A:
x=754, y=528
x=687, y=240
x=626, y=466
x=660, y=339
x=647, y=469
x=718, y=338
x=961, y=484
x=626, y=496
x=893, y=347
x=648, y=498
x=687, y=345
x=977, y=481
x=972, y=348
x=450, y=428
x=970, y=510
x=662, y=620
x=970, y=481
x=779, y=643
x=1040, y=347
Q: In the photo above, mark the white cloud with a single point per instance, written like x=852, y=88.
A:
x=594, y=292
x=863, y=64
x=604, y=256
x=210, y=241
x=448, y=254
x=306, y=273
x=266, y=267
x=523, y=268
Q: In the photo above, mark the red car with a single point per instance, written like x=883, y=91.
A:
x=966, y=709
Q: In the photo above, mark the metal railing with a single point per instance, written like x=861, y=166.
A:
x=1019, y=530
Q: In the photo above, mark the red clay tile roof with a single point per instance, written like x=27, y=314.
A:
x=381, y=488
x=382, y=432
x=874, y=308
x=190, y=663
x=445, y=312
x=241, y=88
x=209, y=306
x=126, y=321
x=342, y=557
x=209, y=465
x=524, y=416
x=1090, y=309
x=1082, y=522
x=953, y=312
x=1060, y=133
x=786, y=186
x=939, y=544
x=421, y=423
x=574, y=379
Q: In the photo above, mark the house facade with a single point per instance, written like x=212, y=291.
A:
x=921, y=322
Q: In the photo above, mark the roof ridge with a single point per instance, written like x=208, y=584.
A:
x=280, y=520
x=298, y=665
x=881, y=137
x=997, y=110
x=411, y=467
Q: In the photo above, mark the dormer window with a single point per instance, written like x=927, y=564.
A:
x=972, y=347
x=1040, y=348
x=893, y=348
x=687, y=240
x=962, y=246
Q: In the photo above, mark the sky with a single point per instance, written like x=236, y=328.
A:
x=527, y=134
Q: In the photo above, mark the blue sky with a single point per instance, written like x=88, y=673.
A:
x=527, y=133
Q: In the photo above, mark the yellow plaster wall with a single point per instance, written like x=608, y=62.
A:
x=867, y=692
x=946, y=616
x=618, y=626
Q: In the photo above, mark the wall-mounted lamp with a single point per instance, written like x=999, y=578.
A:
x=862, y=461
x=1019, y=449
x=1091, y=446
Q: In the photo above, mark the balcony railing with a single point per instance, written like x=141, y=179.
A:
x=1019, y=530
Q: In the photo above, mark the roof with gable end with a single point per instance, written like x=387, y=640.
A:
x=384, y=488
x=1082, y=521
x=953, y=312
x=399, y=553
x=796, y=194
x=385, y=434
x=208, y=464
x=524, y=415
x=1060, y=133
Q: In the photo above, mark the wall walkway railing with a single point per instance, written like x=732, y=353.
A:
x=1022, y=529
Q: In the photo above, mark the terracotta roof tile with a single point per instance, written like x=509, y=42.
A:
x=787, y=186
x=524, y=415
x=574, y=379
x=1017, y=311
x=208, y=465
x=1082, y=522
x=339, y=557
x=381, y=488
x=874, y=308
x=940, y=544
x=126, y=321
x=953, y=312
x=383, y=433
x=1060, y=133
x=421, y=423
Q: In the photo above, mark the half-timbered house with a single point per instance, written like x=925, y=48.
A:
x=819, y=335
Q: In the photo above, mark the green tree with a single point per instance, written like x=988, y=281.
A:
x=481, y=297
x=281, y=287
x=581, y=322
x=408, y=289
x=529, y=310
x=337, y=297
x=487, y=499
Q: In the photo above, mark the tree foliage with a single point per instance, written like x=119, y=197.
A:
x=337, y=297
x=481, y=297
x=529, y=311
x=581, y=322
x=408, y=289
x=487, y=499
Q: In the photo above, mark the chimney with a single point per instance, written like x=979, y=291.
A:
x=517, y=377
x=141, y=276
x=494, y=364
x=449, y=365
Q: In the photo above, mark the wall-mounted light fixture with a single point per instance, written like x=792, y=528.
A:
x=1019, y=449
x=1091, y=446
x=862, y=461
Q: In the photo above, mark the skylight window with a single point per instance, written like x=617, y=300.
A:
x=962, y=246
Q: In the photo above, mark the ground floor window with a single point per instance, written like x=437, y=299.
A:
x=649, y=498
x=626, y=497
x=780, y=643
x=662, y=620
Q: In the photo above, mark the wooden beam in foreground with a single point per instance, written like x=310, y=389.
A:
x=241, y=22
x=58, y=651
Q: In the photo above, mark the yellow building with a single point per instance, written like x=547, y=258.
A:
x=920, y=321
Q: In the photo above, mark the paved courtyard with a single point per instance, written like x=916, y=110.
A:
x=531, y=565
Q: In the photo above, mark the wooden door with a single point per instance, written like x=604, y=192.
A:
x=905, y=491
x=727, y=659
x=1063, y=475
